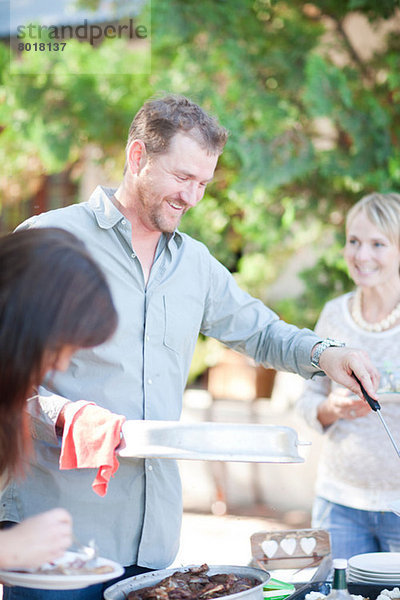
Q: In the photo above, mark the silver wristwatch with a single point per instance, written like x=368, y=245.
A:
x=320, y=347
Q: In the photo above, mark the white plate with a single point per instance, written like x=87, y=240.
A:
x=61, y=582
x=358, y=573
x=383, y=563
x=376, y=572
x=374, y=579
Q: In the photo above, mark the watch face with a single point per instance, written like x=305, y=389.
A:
x=321, y=346
x=331, y=342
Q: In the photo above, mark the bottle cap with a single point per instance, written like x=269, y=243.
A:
x=339, y=563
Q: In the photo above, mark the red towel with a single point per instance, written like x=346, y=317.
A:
x=90, y=436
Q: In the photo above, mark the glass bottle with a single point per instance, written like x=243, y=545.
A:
x=339, y=585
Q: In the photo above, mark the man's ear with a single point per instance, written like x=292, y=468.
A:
x=136, y=156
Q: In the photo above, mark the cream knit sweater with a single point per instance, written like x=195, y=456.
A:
x=358, y=466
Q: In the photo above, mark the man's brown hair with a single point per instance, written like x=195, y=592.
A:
x=160, y=119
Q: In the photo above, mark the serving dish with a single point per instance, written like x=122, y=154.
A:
x=120, y=590
x=210, y=441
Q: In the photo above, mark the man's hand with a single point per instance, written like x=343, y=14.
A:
x=61, y=419
x=62, y=415
x=340, y=364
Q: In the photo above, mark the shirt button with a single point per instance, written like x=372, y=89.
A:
x=123, y=222
x=149, y=381
x=150, y=468
x=133, y=255
x=147, y=338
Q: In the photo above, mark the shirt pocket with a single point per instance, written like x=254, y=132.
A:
x=182, y=319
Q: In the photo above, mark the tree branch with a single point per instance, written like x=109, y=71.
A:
x=351, y=49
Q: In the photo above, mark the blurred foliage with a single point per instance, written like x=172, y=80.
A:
x=314, y=125
x=327, y=278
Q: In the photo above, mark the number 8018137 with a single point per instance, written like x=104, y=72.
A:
x=42, y=46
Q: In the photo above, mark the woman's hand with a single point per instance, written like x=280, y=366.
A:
x=341, y=404
x=36, y=540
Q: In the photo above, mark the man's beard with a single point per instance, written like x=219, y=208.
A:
x=161, y=223
x=154, y=215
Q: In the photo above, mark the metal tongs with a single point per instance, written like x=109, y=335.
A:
x=376, y=407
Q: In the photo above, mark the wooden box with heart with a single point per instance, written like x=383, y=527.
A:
x=290, y=549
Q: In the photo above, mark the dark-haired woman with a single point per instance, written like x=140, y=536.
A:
x=53, y=300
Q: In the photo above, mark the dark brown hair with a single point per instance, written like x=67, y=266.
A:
x=52, y=293
x=160, y=119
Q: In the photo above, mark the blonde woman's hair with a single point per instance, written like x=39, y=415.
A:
x=383, y=210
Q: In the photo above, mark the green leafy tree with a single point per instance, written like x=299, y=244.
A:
x=313, y=125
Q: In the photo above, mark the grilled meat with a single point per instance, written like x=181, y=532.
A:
x=194, y=584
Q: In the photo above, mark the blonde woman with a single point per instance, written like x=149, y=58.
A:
x=359, y=473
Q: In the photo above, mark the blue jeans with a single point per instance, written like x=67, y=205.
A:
x=355, y=531
x=93, y=592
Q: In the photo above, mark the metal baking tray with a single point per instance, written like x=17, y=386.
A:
x=302, y=590
x=367, y=590
x=212, y=441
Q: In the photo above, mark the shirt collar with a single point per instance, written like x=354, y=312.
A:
x=176, y=237
x=107, y=214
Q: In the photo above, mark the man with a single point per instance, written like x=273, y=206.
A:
x=167, y=288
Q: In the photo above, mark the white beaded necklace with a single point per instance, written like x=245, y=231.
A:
x=386, y=323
